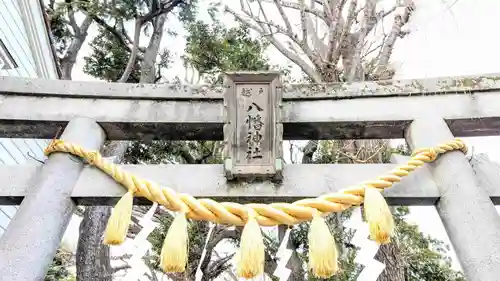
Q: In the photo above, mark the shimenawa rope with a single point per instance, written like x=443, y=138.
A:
x=322, y=255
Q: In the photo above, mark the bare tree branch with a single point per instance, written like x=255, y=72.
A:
x=153, y=272
x=327, y=9
x=308, y=151
x=269, y=25
x=366, y=26
x=335, y=29
x=303, y=25
x=337, y=42
x=220, y=265
x=124, y=32
x=370, y=50
x=51, y=4
x=230, y=272
x=320, y=48
x=303, y=44
x=122, y=35
x=310, y=71
x=119, y=36
x=388, y=46
x=296, y=6
x=266, y=22
x=283, y=16
x=72, y=21
x=122, y=257
x=133, y=55
x=374, y=19
x=121, y=267
x=148, y=73
x=165, y=8
x=370, y=17
x=384, y=14
x=334, y=3
x=68, y=61
x=218, y=234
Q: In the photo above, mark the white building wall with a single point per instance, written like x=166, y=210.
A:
x=14, y=36
x=27, y=42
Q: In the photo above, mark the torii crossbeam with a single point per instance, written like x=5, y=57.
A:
x=424, y=112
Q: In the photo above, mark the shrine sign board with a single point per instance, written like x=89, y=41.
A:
x=253, y=129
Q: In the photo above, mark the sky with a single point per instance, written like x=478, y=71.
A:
x=447, y=38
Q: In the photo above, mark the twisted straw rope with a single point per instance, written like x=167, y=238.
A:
x=266, y=214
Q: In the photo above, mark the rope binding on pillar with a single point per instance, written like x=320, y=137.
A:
x=322, y=250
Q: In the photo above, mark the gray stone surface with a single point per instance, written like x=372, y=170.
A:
x=36, y=108
x=37, y=117
x=17, y=181
x=487, y=174
x=475, y=114
x=468, y=214
x=385, y=88
x=96, y=89
x=299, y=181
x=30, y=242
x=252, y=131
x=384, y=109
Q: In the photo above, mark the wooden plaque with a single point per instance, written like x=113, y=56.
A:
x=253, y=130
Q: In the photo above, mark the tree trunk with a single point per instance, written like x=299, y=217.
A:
x=68, y=61
x=363, y=151
x=389, y=254
x=92, y=256
x=372, y=151
x=148, y=65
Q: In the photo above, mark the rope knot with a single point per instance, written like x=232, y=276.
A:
x=323, y=256
x=92, y=157
x=52, y=146
x=251, y=214
x=461, y=145
x=429, y=152
x=432, y=154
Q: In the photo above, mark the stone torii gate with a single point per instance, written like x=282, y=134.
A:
x=424, y=112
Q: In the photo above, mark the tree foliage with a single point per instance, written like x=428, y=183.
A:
x=212, y=48
x=333, y=42
x=58, y=270
x=115, y=56
x=112, y=16
x=108, y=59
x=426, y=258
x=423, y=257
x=60, y=28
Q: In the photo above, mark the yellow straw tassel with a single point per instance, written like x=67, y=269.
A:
x=251, y=255
x=119, y=221
x=174, y=253
x=322, y=250
x=378, y=216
